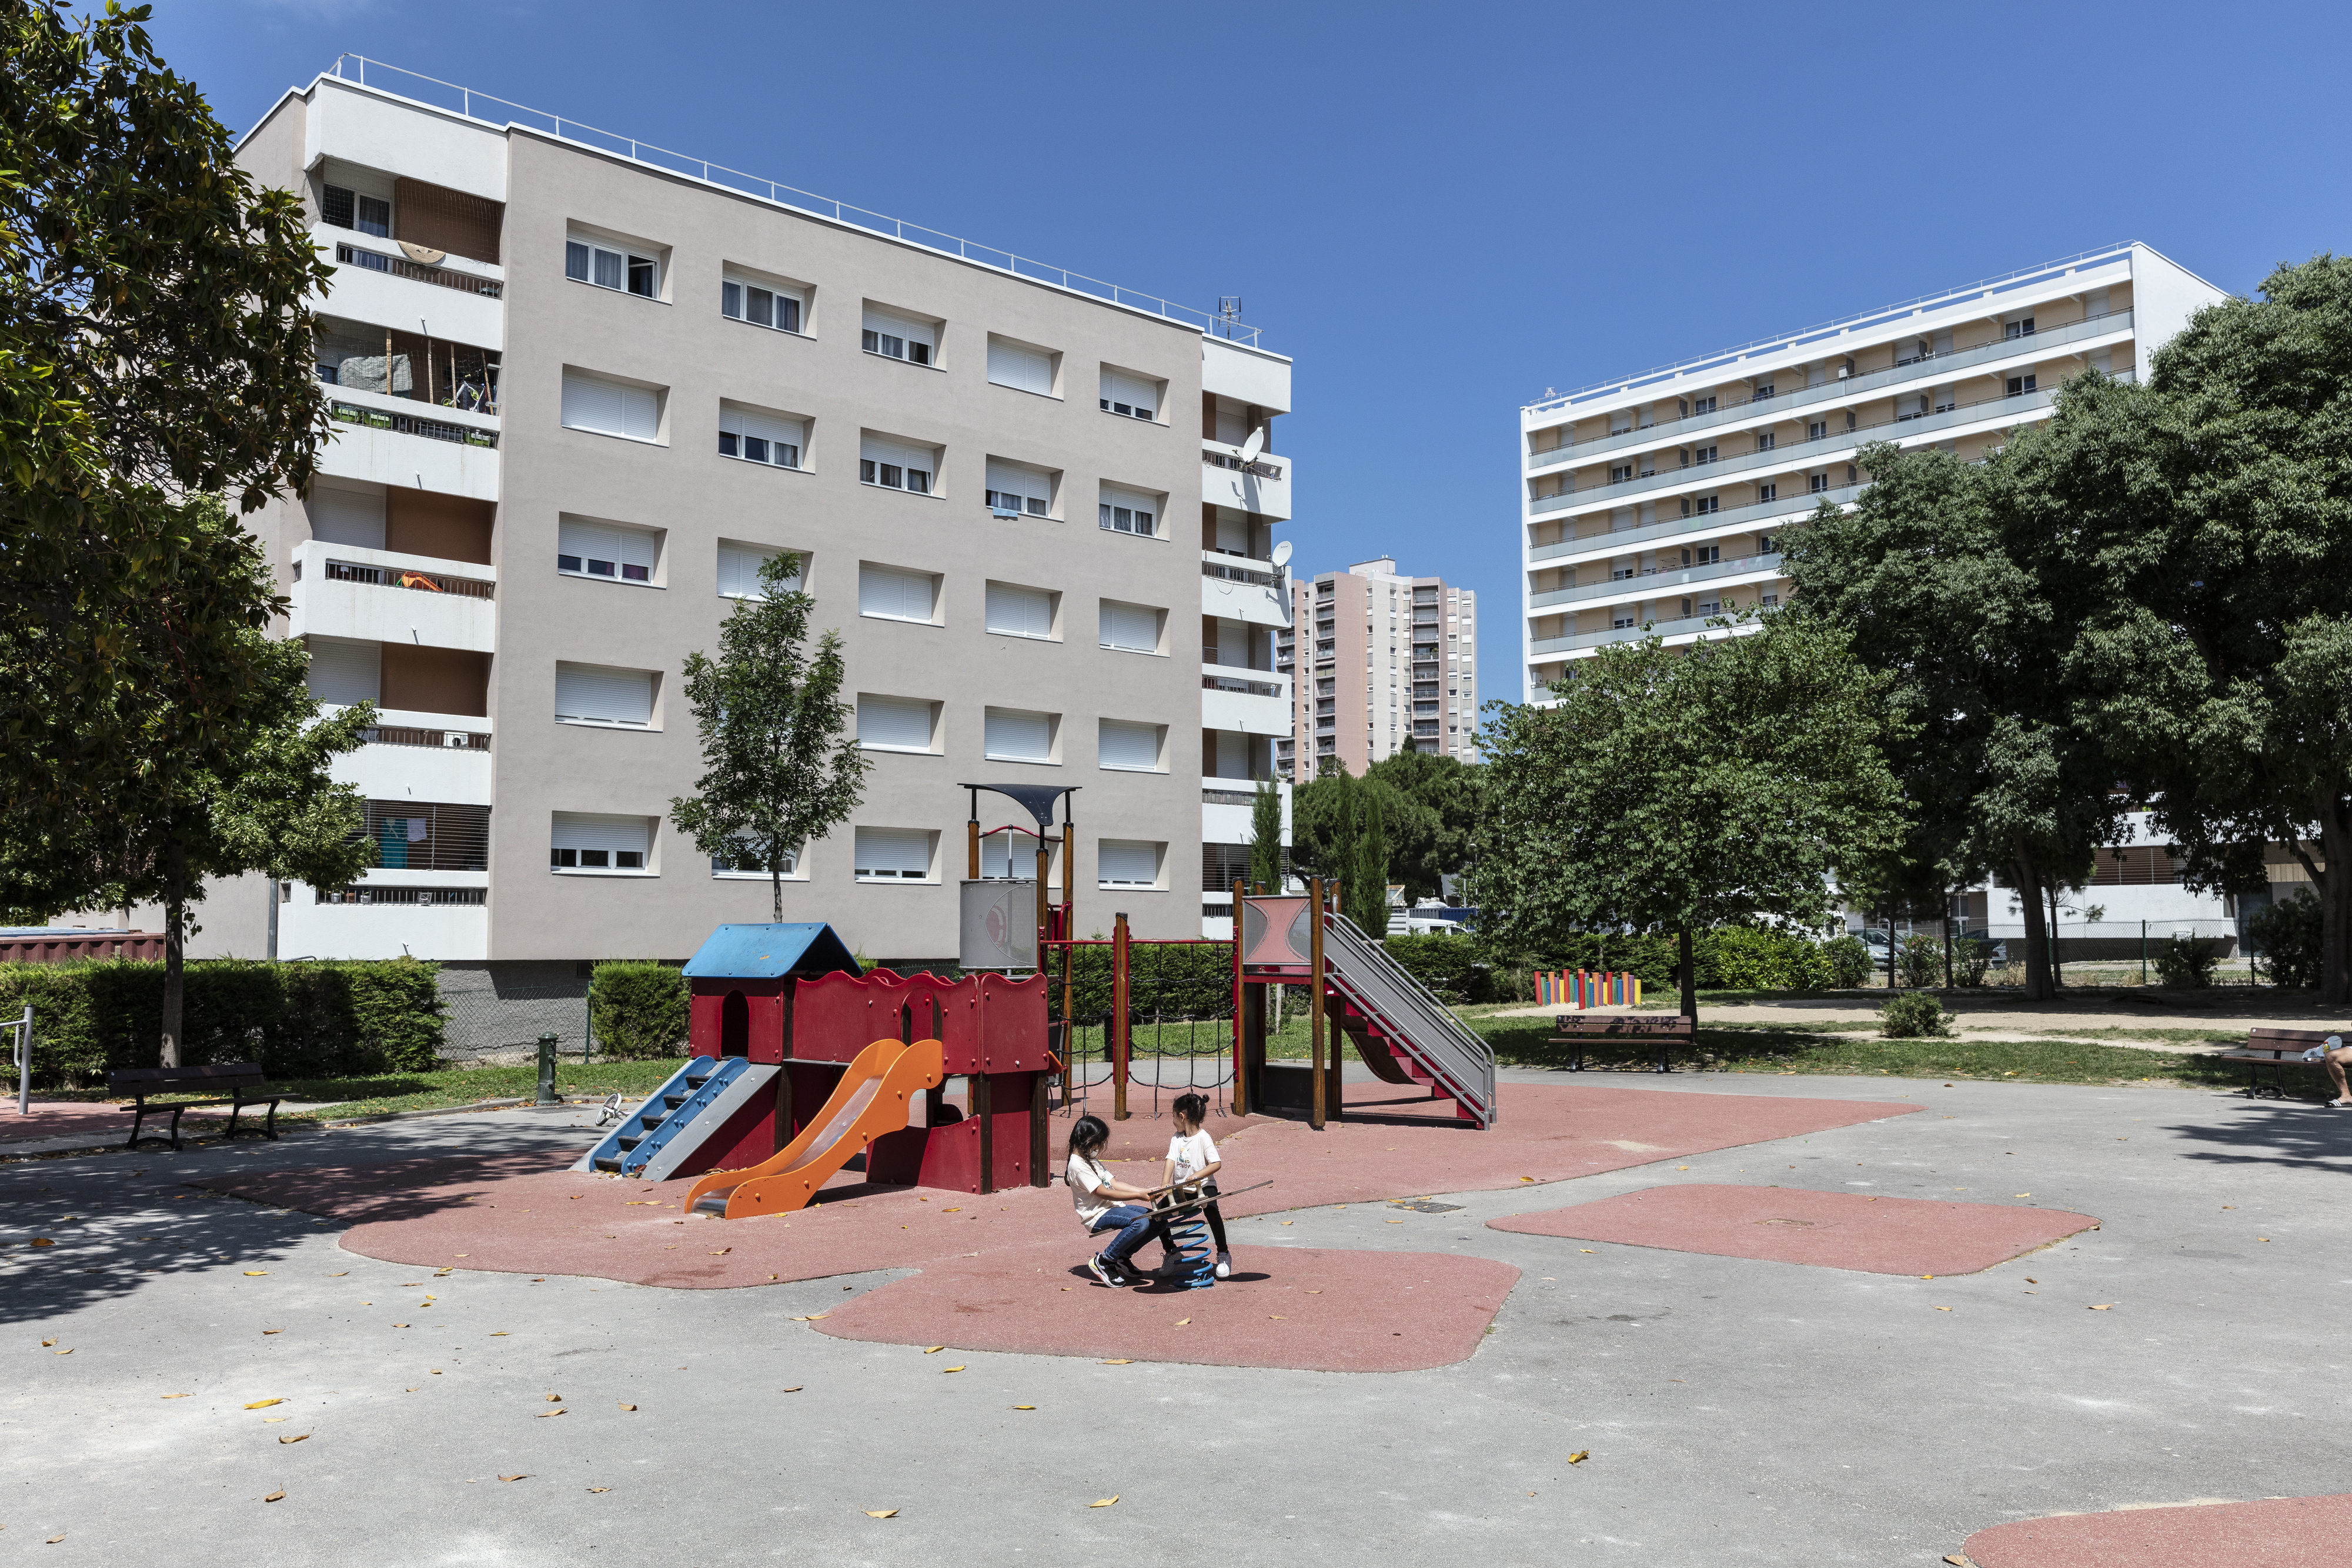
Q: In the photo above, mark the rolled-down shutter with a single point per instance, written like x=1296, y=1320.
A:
x=738, y=570
x=790, y=435
x=1130, y=746
x=1026, y=369
x=340, y=516
x=901, y=852
x=1128, y=511
x=604, y=695
x=1122, y=862
x=900, y=723
x=593, y=831
x=609, y=408
x=1123, y=394
x=1130, y=628
x=1020, y=612
x=1013, y=735
x=897, y=595
x=904, y=326
x=1035, y=492
x=622, y=546
x=899, y=454
x=346, y=673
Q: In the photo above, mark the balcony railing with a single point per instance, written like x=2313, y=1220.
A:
x=1676, y=628
x=1789, y=507
x=1645, y=584
x=439, y=740
x=1248, y=688
x=409, y=577
x=401, y=267
x=1260, y=469
x=1251, y=575
x=413, y=425
x=373, y=892
x=1936, y=365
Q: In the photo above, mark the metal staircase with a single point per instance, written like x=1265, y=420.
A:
x=698, y=1099
x=1402, y=1031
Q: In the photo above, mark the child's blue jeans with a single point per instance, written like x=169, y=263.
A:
x=1135, y=1225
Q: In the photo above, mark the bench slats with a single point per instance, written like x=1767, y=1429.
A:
x=1665, y=1033
x=236, y=1077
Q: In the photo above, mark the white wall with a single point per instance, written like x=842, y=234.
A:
x=360, y=128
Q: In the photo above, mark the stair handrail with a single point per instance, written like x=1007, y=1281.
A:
x=1412, y=997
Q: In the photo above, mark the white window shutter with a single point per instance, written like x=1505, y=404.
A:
x=1129, y=745
x=595, y=831
x=340, y=516
x=1137, y=393
x=604, y=695
x=1020, y=612
x=1124, y=862
x=1015, y=736
x=589, y=404
x=1130, y=628
x=346, y=673
x=738, y=570
x=900, y=853
x=896, y=722
x=641, y=413
x=895, y=595
x=1026, y=369
x=873, y=449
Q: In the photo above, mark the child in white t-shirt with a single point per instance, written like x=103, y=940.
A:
x=1192, y=1156
x=1105, y=1203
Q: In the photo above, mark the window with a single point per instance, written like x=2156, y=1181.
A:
x=738, y=570
x=2023, y=329
x=1768, y=493
x=605, y=265
x=346, y=209
x=618, y=554
x=1703, y=505
x=1707, y=555
x=1766, y=440
x=1136, y=397
x=760, y=437
x=893, y=595
x=1620, y=473
x=1017, y=491
x=1128, y=748
x=581, y=841
x=1702, y=405
x=1701, y=455
x=1126, y=862
x=610, y=408
x=2019, y=385
x=900, y=337
x=1763, y=391
x=740, y=299
x=1020, y=612
x=1621, y=622
x=1127, y=512
x=1017, y=365
x=1769, y=601
x=1011, y=734
x=895, y=723
x=1766, y=544
x=1816, y=483
x=893, y=467
x=744, y=863
x=894, y=854
x=1130, y=628
x=591, y=694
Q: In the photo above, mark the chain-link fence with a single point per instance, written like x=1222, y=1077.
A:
x=493, y=1014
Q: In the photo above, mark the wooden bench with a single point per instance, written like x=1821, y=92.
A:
x=2274, y=1048
x=1577, y=1030
x=237, y=1077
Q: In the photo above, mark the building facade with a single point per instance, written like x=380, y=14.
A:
x=1651, y=503
x=1417, y=650
x=580, y=398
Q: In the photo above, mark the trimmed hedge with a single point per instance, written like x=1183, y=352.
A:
x=639, y=1010
x=298, y=1020
x=1456, y=968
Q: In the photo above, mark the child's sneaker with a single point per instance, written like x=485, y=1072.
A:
x=1103, y=1273
x=1224, y=1265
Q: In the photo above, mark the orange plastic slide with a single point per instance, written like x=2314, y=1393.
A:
x=873, y=1099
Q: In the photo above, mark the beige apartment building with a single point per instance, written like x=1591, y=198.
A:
x=1654, y=502
x=581, y=391
x=1417, y=654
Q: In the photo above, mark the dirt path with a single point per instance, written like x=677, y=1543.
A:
x=2224, y=1011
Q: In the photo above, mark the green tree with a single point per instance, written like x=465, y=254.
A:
x=1938, y=579
x=1368, y=884
x=1673, y=790
x=1433, y=839
x=781, y=768
x=155, y=338
x=1265, y=838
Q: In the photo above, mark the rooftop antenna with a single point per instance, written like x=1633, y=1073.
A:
x=1229, y=312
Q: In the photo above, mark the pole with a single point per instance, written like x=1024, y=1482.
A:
x=2143, y=952
x=1240, y=988
x=1069, y=910
x=1314, y=1005
x=1120, y=1043
x=546, y=1070
x=1044, y=894
x=25, y=1063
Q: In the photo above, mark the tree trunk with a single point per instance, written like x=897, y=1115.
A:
x=776, y=892
x=2037, y=933
x=2335, y=899
x=1949, y=897
x=175, y=904
x=2057, y=968
x=1689, y=977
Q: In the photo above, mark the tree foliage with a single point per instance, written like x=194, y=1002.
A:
x=1265, y=858
x=1669, y=790
x=781, y=768
x=1434, y=839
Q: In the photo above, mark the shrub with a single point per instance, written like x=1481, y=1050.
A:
x=1971, y=960
x=2286, y=936
x=1911, y=1014
x=638, y=1009
x=2186, y=963
x=1849, y=961
x=1748, y=957
x=1453, y=967
x=1921, y=960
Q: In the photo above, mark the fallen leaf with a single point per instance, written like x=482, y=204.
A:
x=1943, y=1309
x=2100, y=1309
x=1396, y=1222
x=400, y=1325
x=500, y=1334
x=44, y=1242
x=273, y=1331
x=812, y=1317
x=795, y=1388
x=1290, y=1222
x=525, y=1476
x=600, y=1489
x=1276, y=1317
x=1955, y=1559
x=172, y=1396
x=1122, y=1361
x=2032, y=1280
x=933, y=1349
x=264, y=1404
x=722, y=1253
x=1104, y=1502
x=1576, y=1458
x=945, y=1370
x=47, y=1342
x=2021, y=1195
x=297, y=1438
x=274, y=1420
x=545, y=1414
x=555, y=1399
x=1585, y=1249
x=57, y=1537
x=256, y=1273
x=339, y=1275
x=274, y=1497
x=1025, y=1407
x=881, y=1513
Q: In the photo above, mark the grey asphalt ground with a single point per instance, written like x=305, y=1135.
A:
x=1736, y=1411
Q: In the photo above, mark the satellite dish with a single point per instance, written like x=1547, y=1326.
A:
x=1253, y=445
x=1282, y=553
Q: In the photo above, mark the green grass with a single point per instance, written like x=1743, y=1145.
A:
x=437, y=1090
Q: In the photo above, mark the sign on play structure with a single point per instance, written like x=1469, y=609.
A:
x=999, y=925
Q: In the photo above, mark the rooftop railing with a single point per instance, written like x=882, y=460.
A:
x=436, y=93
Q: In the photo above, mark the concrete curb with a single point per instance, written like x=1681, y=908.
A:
x=516, y=1104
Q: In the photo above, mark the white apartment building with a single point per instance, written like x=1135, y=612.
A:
x=1651, y=503
x=583, y=388
x=1418, y=654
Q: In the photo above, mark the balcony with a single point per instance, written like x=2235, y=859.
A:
x=1931, y=367
x=1262, y=486
x=1663, y=581
x=1685, y=628
x=420, y=755
x=1239, y=589
x=400, y=441
x=1254, y=702
x=376, y=596
x=1789, y=507
x=374, y=283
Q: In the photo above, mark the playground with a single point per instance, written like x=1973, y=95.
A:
x=825, y=1294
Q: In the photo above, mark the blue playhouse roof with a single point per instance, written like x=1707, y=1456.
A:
x=769, y=952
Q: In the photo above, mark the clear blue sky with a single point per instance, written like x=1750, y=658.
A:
x=1440, y=210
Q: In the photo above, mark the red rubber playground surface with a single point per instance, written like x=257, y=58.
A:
x=1827, y=1229
x=515, y=1214
x=2276, y=1532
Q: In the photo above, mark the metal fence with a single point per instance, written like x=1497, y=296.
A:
x=1172, y=1010
x=492, y=1016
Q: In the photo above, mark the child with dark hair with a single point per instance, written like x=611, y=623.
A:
x=1193, y=1157
x=1105, y=1203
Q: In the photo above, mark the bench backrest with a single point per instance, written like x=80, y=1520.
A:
x=1584, y=1023
x=2296, y=1040
x=217, y=1075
